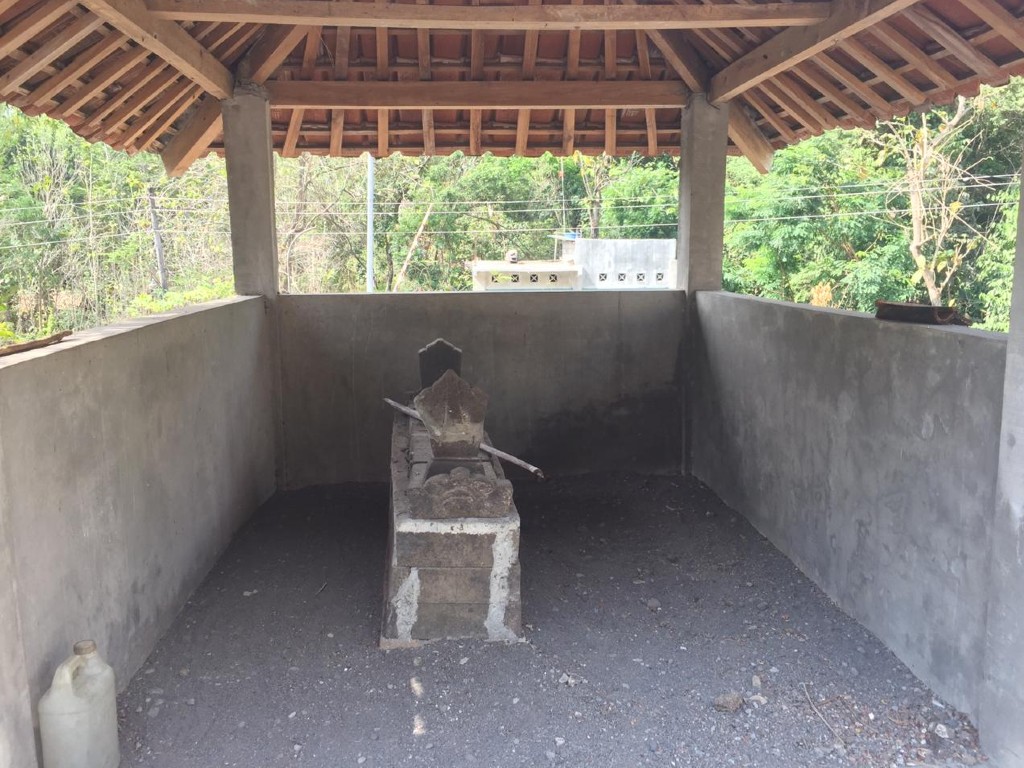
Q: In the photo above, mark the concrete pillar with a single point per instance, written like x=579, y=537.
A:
x=1001, y=718
x=249, y=156
x=705, y=135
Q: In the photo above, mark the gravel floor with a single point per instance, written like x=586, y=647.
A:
x=645, y=600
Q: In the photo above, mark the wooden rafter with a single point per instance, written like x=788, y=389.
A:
x=168, y=41
x=50, y=50
x=31, y=25
x=940, y=32
x=78, y=67
x=913, y=55
x=545, y=17
x=798, y=44
x=1000, y=21
x=194, y=139
x=109, y=72
x=862, y=54
x=743, y=131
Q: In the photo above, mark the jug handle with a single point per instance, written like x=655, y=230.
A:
x=66, y=671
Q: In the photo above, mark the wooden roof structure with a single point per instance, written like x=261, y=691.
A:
x=503, y=76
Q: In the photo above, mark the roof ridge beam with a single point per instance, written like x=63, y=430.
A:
x=544, y=17
x=798, y=44
x=466, y=95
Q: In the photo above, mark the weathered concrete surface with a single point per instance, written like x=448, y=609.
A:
x=866, y=452
x=1002, y=711
x=130, y=456
x=577, y=381
x=249, y=159
x=705, y=132
x=17, y=747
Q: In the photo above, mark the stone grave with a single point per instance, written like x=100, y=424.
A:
x=453, y=555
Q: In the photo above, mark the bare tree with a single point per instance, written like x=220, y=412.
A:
x=932, y=148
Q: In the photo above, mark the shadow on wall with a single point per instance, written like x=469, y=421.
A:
x=577, y=381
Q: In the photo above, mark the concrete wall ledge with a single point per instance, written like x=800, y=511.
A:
x=93, y=335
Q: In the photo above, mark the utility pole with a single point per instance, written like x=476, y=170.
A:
x=158, y=242
x=370, y=286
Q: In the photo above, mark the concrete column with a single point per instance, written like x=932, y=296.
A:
x=249, y=155
x=1001, y=718
x=705, y=134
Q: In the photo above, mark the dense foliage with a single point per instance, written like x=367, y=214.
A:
x=922, y=209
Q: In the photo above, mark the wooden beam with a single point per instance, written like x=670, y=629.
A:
x=651, y=119
x=682, y=57
x=383, y=129
x=111, y=71
x=115, y=102
x=429, y=138
x=611, y=131
x=1002, y=22
x=643, y=55
x=502, y=94
x=49, y=51
x=33, y=24
x=542, y=17
x=821, y=84
x=194, y=138
x=568, y=131
x=74, y=71
x=337, y=132
x=291, y=139
x=913, y=55
x=792, y=46
x=135, y=103
x=166, y=119
x=864, y=56
x=168, y=41
x=949, y=39
x=749, y=139
x=522, y=131
x=854, y=84
x=475, y=126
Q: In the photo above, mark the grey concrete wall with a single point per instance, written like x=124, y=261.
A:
x=130, y=455
x=1002, y=710
x=577, y=381
x=867, y=453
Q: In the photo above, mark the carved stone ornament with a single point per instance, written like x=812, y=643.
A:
x=460, y=494
x=453, y=412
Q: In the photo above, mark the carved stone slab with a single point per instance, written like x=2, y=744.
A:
x=436, y=358
x=460, y=494
x=453, y=412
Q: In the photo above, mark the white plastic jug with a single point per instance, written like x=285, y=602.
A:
x=78, y=715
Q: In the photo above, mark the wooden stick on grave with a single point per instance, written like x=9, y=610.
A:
x=412, y=413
